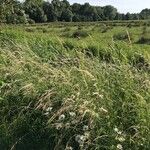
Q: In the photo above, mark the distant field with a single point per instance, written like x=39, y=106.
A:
x=80, y=86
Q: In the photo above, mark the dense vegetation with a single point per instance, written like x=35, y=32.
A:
x=75, y=86
x=40, y=11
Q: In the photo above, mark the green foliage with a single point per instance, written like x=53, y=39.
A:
x=64, y=93
x=66, y=16
x=123, y=36
x=29, y=29
x=80, y=34
x=92, y=51
x=140, y=62
x=68, y=45
x=144, y=40
x=13, y=11
x=145, y=37
x=145, y=14
x=110, y=12
x=105, y=28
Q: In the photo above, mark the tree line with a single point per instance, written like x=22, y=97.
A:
x=40, y=11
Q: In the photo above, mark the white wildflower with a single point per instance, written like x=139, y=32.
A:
x=87, y=134
x=73, y=96
x=67, y=125
x=74, y=121
x=49, y=109
x=97, y=94
x=116, y=130
x=95, y=84
x=119, y=132
x=72, y=114
x=101, y=96
x=59, y=126
x=61, y=117
x=119, y=146
x=80, y=139
x=78, y=94
x=120, y=139
x=69, y=148
x=77, y=138
x=85, y=128
x=47, y=113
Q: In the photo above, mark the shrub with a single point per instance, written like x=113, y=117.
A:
x=67, y=29
x=139, y=62
x=106, y=56
x=144, y=40
x=92, y=51
x=145, y=37
x=39, y=28
x=66, y=35
x=44, y=30
x=31, y=21
x=122, y=36
x=129, y=25
x=30, y=30
x=80, y=34
x=80, y=27
x=105, y=28
x=68, y=45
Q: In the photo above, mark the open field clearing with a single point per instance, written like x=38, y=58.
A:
x=75, y=86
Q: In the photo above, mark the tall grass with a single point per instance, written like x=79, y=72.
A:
x=54, y=96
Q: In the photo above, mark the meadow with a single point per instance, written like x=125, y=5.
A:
x=75, y=86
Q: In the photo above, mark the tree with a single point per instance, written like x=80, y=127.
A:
x=35, y=11
x=128, y=16
x=100, y=13
x=76, y=18
x=110, y=12
x=65, y=4
x=135, y=16
x=57, y=9
x=66, y=15
x=145, y=14
x=76, y=8
x=33, y=2
x=11, y=11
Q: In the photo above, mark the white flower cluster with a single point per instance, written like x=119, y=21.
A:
x=61, y=117
x=72, y=114
x=82, y=138
x=59, y=126
x=97, y=94
x=85, y=128
x=119, y=146
x=68, y=148
x=120, y=138
x=117, y=131
x=48, y=110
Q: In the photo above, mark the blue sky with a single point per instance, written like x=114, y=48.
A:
x=123, y=6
